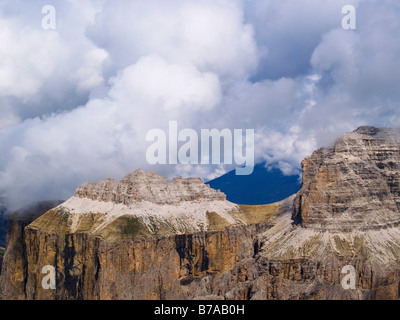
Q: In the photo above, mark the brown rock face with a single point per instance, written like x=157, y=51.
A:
x=166, y=268
x=353, y=185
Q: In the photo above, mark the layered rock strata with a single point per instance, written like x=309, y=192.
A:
x=355, y=184
x=148, y=186
x=147, y=238
x=345, y=214
x=141, y=238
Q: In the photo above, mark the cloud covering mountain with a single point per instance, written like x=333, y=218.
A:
x=76, y=102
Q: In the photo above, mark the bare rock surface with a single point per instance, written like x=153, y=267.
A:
x=355, y=184
x=346, y=213
x=147, y=238
x=149, y=186
x=158, y=206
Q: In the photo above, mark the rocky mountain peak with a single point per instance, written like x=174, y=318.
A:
x=148, y=186
x=355, y=184
x=368, y=130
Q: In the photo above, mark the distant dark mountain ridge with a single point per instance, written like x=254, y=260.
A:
x=263, y=186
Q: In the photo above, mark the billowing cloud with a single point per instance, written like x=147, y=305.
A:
x=46, y=71
x=76, y=102
x=209, y=35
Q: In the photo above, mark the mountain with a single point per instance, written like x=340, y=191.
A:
x=3, y=226
x=147, y=238
x=346, y=214
x=164, y=236
x=261, y=187
x=3, y=232
x=14, y=258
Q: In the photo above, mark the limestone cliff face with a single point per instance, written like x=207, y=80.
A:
x=147, y=238
x=165, y=268
x=346, y=213
x=14, y=273
x=157, y=244
x=353, y=185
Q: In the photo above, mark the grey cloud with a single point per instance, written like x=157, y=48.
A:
x=118, y=69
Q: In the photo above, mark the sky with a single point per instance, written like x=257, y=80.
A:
x=77, y=101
